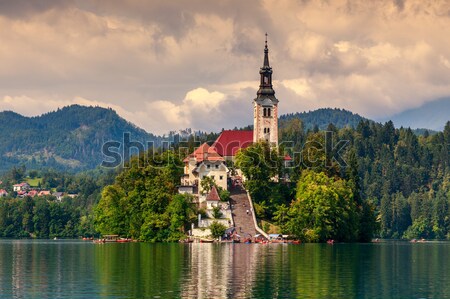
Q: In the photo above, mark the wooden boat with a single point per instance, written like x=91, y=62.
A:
x=206, y=241
x=123, y=240
x=99, y=241
x=295, y=242
x=110, y=238
x=187, y=241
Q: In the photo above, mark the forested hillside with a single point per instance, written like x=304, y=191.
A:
x=67, y=139
x=406, y=177
x=321, y=118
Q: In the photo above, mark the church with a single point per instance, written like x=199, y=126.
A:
x=211, y=160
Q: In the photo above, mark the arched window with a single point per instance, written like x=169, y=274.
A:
x=269, y=112
x=268, y=130
x=264, y=112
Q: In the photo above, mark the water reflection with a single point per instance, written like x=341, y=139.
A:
x=220, y=271
x=73, y=269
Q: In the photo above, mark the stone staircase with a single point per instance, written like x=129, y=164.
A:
x=240, y=203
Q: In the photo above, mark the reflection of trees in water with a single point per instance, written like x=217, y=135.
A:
x=139, y=270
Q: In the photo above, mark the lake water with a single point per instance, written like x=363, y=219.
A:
x=77, y=269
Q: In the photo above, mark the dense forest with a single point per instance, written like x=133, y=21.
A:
x=321, y=118
x=143, y=202
x=45, y=216
x=402, y=177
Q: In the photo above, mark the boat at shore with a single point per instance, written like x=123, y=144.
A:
x=112, y=239
x=206, y=241
x=186, y=241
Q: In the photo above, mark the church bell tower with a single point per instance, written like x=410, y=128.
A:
x=265, y=120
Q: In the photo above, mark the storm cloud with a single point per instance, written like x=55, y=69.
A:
x=167, y=65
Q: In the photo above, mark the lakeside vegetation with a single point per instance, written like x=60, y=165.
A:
x=394, y=184
x=45, y=216
x=389, y=175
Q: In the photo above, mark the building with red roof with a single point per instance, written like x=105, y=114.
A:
x=21, y=187
x=32, y=193
x=204, y=161
x=230, y=142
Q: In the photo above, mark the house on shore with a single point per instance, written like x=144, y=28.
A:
x=21, y=187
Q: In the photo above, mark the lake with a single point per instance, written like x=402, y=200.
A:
x=78, y=269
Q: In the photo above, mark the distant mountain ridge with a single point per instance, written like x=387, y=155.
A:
x=68, y=138
x=432, y=115
x=324, y=116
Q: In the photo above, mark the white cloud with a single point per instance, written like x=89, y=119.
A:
x=166, y=65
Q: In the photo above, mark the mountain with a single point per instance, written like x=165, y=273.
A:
x=323, y=117
x=70, y=138
x=432, y=115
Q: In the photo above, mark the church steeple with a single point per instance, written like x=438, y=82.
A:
x=266, y=54
x=265, y=86
x=265, y=124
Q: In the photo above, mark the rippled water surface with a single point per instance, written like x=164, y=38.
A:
x=77, y=269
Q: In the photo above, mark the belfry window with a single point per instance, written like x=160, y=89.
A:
x=269, y=112
x=264, y=112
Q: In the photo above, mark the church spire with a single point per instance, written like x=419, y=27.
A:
x=266, y=54
x=265, y=86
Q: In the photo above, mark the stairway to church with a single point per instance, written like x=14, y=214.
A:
x=240, y=204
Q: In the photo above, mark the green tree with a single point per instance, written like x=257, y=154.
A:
x=217, y=229
x=206, y=184
x=109, y=213
x=324, y=209
x=217, y=213
x=259, y=163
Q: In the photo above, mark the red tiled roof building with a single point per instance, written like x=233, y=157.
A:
x=230, y=142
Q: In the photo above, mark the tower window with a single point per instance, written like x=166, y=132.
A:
x=264, y=112
x=269, y=112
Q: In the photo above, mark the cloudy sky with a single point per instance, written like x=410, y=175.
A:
x=173, y=64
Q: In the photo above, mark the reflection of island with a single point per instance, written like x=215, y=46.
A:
x=220, y=271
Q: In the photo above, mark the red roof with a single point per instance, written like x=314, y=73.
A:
x=213, y=194
x=287, y=158
x=204, y=152
x=32, y=193
x=230, y=141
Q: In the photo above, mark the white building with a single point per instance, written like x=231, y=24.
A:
x=203, y=162
x=21, y=187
